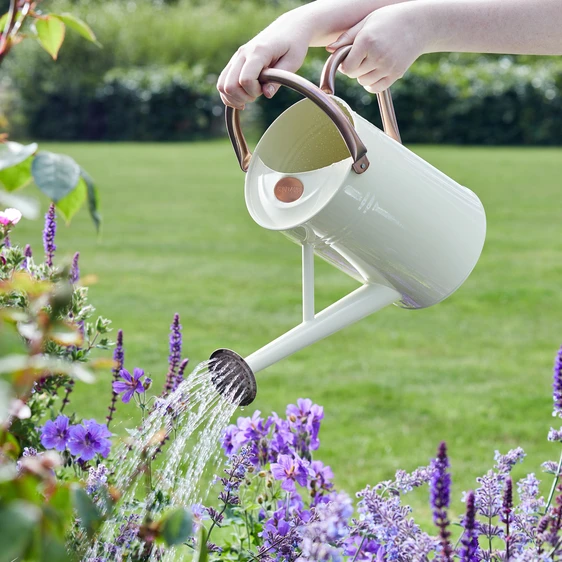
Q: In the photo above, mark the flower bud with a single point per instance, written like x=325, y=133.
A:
x=260, y=499
x=147, y=383
x=269, y=483
x=262, y=473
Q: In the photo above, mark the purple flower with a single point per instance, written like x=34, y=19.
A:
x=175, y=354
x=289, y=470
x=304, y=419
x=130, y=384
x=440, y=494
x=88, y=439
x=97, y=478
x=55, y=434
x=181, y=371
x=49, y=233
x=199, y=514
x=229, y=443
x=360, y=548
x=75, y=269
x=469, y=540
x=28, y=254
x=320, y=481
x=557, y=385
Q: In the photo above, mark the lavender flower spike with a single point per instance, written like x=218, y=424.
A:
x=75, y=269
x=440, y=495
x=469, y=548
x=175, y=354
x=49, y=233
x=557, y=385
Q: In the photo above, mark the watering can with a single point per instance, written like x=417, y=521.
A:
x=356, y=197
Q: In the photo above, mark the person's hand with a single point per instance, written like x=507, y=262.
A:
x=385, y=44
x=282, y=45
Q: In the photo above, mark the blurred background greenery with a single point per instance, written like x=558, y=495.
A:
x=154, y=80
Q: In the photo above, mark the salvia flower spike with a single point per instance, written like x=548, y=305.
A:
x=119, y=359
x=175, y=354
x=49, y=233
x=440, y=494
x=557, y=385
x=75, y=269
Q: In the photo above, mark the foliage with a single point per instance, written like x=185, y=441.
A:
x=56, y=175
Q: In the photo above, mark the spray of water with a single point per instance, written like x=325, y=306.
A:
x=188, y=423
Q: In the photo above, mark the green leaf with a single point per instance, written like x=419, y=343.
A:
x=93, y=198
x=14, y=153
x=77, y=25
x=53, y=549
x=56, y=175
x=17, y=176
x=28, y=207
x=17, y=521
x=201, y=555
x=88, y=513
x=175, y=526
x=69, y=205
x=50, y=32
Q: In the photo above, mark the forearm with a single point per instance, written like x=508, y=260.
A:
x=491, y=26
x=327, y=19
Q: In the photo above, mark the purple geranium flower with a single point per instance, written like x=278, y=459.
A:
x=55, y=434
x=289, y=471
x=130, y=384
x=88, y=439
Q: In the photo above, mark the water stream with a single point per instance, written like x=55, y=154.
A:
x=194, y=418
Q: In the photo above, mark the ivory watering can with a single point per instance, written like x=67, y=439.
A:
x=356, y=197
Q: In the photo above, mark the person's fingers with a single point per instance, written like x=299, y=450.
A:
x=346, y=38
x=367, y=65
x=226, y=101
x=250, y=72
x=371, y=77
x=381, y=85
x=235, y=94
x=222, y=76
x=291, y=62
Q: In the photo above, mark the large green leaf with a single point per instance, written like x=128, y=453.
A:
x=14, y=153
x=93, y=198
x=175, y=526
x=50, y=32
x=77, y=25
x=17, y=521
x=17, y=176
x=88, y=513
x=28, y=207
x=56, y=175
x=69, y=205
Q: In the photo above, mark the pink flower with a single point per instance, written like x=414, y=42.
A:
x=10, y=216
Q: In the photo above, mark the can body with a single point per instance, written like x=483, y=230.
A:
x=402, y=223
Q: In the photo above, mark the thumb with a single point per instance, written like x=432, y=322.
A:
x=290, y=62
x=346, y=38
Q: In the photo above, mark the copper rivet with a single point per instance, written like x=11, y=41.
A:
x=288, y=189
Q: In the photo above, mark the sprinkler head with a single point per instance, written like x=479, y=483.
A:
x=232, y=377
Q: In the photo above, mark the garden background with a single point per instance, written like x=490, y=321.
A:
x=474, y=371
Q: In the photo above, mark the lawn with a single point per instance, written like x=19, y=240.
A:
x=474, y=371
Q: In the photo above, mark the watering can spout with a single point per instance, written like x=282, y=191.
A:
x=231, y=371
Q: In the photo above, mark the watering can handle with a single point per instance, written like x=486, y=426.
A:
x=327, y=85
x=354, y=144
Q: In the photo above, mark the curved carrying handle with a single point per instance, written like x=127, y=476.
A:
x=327, y=84
x=354, y=144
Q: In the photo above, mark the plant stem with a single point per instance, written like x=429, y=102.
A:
x=359, y=548
x=554, y=484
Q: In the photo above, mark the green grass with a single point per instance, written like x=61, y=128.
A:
x=474, y=370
